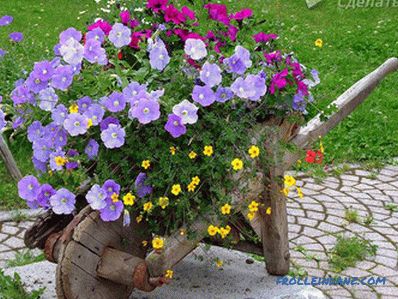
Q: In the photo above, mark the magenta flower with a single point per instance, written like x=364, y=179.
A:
x=125, y=17
x=157, y=5
x=262, y=37
x=203, y=95
x=218, y=12
x=16, y=36
x=243, y=14
x=190, y=14
x=101, y=24
x=113, y=136
x=172, y=14
x=175, y=126
x=273, y=57
x=6, y=20
x=278, y=80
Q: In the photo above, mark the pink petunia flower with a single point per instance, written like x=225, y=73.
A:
x=262, y=37
x=243, y=14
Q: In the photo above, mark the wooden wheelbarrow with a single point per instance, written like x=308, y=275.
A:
x=99, y=259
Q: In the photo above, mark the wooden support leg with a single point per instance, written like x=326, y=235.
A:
x=9, y=161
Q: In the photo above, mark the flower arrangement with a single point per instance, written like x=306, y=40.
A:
x=156, y=111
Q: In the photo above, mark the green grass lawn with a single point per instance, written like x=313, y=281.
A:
x=356, y=41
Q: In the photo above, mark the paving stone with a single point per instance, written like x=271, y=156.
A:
x=326, y=227
x=14, y=243
x=386, y=261
x=11, y=230
x=383, y=271
x=365, y=265
x=346, y=177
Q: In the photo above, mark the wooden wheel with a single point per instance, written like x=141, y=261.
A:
x=97, y=259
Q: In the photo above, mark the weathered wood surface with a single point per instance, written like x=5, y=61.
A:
x=346, y=103
x=9, y=160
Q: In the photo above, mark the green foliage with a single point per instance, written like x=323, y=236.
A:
x=12, y=288
x=391, y=207
x=24, y=257
x=351, y=215
x=348, y=251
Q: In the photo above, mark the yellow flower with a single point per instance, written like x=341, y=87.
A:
x=129, y=199
x=60, y=161
x=208, y=150
x=163, y=202
x=299, y=192
x=285, y=191
x=89, y=123
x=115, y=197
x=148, y=206
x=172, y=150
x=192, y=155
x=251, y=215
x=253, y=206
x=212, y=230
x=319, y=43
x=224, y=231
x=50, y=172
x=195, y=180
x=226, y=209
x=146, y=164
x=73, y=108
x=219, y=263
x=169, y=274
x=144, y=243
x=138, y=219
x=191, y=187
x=268, y=211
x=237, y=164
x=321, y=148
x=157, y=243
x=289, y=180
x=299, y=162
x=254, y=151
x=176, y=189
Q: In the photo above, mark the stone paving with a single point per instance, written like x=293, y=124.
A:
x=314, y=223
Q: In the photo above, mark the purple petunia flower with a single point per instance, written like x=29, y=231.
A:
x=107, y=121
x=59, y=138
x=315, y=81
x=28, y=188
x=126, y=218
x=299, y=103
x=39, y=165
x=115, y=102
x=203, y=95
x=94, y=53
x=68, y=34
x=21, y=95
x=110, y=187
x=63, y=77
x=44, y=70
x=175, y=126
x=91, y=149
x=131, y=91
x=96, y=197
x=84, y=103
x=210, y=74
x=257, y=83
x=16, y=36
x=224, y=94
x=187, y=111
x=2, y=120
x=145, y=111
x=239, y=62
x=53, y=164
x=44, y=195
x=195, y=48
x=72, y=51
x=35, y=131
x=34, y=83
x=95, y=112
x=113, y=136
x=2, y=52
x=140, y=187
x=47, y=99
x=96, y=34
x=76, y=124
x=63, y=202
x=120, y=35
x=59, y=114
x=42, y=149
x=6, y=20
x=242, y=88
x=158, y=56
x=112, y=210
